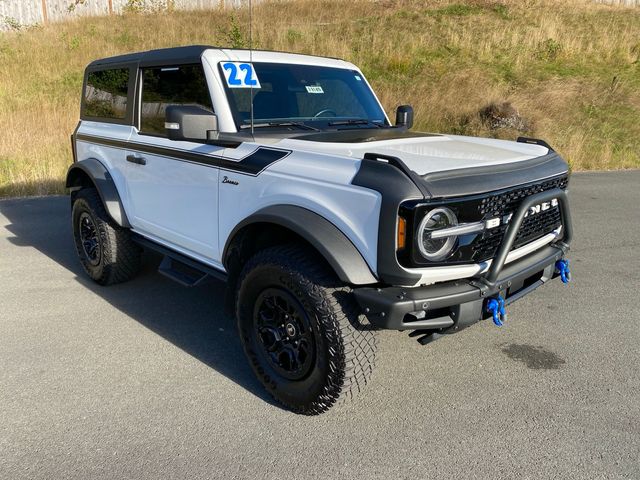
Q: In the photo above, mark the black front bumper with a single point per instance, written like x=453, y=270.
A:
x=457, y=304
x=450, y=306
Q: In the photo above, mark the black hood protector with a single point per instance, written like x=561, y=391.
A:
x=477, y=180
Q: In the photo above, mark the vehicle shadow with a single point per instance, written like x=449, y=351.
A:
x=193, y=319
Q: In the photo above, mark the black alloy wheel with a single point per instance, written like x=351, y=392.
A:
x=106, y=251
x=301, y=329
x=285, y=333
x=89, y=238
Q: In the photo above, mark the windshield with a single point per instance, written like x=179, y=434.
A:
x=305, y=96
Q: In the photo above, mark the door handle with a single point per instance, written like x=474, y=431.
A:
x=136, y=159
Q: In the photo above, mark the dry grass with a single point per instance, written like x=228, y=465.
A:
x=571, y=68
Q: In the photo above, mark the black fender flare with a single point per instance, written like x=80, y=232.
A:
x=336, y=248
x=104, y=184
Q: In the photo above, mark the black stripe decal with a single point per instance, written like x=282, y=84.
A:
x=252, y=164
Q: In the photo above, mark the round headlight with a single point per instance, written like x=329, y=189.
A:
x=435, y=249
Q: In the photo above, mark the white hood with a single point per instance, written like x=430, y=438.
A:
x=430, y=153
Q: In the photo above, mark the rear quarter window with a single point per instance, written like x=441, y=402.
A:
x=106, y=94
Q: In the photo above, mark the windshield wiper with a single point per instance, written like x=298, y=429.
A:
x=355, y=121
x=281, y=124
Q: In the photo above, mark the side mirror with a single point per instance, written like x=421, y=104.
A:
x=404, y=116
x=189, y=122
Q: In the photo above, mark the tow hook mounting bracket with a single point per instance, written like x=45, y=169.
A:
x=425, y=336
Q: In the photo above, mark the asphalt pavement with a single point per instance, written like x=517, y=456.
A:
x=148, y=380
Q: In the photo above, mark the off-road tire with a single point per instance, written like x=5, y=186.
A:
x=118, y=257
x=345, y=343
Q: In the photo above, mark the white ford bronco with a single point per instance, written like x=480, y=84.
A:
x=281, y=175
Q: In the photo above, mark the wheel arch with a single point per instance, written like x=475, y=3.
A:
x=279, y=224
x=92, y=173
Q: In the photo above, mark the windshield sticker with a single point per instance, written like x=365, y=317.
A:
x=314, y=89
x=358, y=78
x=240, y=75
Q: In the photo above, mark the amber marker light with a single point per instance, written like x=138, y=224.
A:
x=402, y=233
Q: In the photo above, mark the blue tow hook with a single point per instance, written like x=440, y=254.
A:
x=496, y=307
x=563, y=267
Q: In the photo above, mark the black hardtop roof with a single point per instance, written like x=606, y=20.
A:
x=160, y=56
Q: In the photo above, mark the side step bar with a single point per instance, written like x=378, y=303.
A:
x=180, y=268
x=181, y=273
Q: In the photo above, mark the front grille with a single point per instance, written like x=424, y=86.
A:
x=505, y=203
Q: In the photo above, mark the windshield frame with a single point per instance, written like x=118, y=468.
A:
x=303, y=123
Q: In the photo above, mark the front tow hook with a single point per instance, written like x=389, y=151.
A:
x=495, y=306
x=563, y=269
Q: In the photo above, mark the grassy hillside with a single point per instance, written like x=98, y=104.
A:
x=570, y=68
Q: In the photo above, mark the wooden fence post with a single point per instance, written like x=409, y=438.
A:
x=110, y=7
x=45, y=17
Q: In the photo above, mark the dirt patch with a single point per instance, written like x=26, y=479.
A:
x=503, y=115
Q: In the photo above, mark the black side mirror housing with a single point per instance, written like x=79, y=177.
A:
x=189, y=122
x=404, y=116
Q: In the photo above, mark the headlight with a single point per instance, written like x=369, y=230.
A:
x=435, y=249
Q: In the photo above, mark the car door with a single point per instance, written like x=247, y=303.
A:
x=173, y=185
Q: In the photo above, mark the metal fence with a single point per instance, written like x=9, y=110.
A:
x=18, y=13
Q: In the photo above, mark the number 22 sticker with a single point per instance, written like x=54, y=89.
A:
x=240, y=75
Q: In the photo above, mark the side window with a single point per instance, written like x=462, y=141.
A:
x=161, y=87
x=105, y=95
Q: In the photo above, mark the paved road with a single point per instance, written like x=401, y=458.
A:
x=148, y=380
